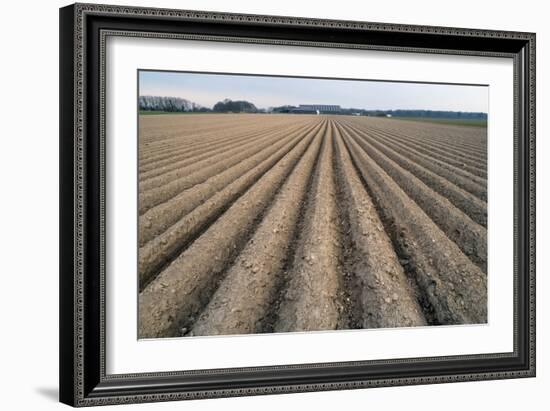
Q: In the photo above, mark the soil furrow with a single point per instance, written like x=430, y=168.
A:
x=218, y=134
x=379, y=289
x=456, y=166
x=188, y=135
x=181, y=159
x=462, y=179
x=473, y=163
x=189, y=140
x=469, y=139
x=257, y=272
x=470, y=237
x=313, y=297
x=227, y=184
x=477, y=168
x=226, y=154
x=261, y=223
x=200, y=173
x=472, y=206
x=172, y=300
x=453, y=290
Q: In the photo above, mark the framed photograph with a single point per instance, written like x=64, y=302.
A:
x=261, y=204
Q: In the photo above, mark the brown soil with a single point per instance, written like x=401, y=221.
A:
x=452, y=171
x=173, y=299
x=258, y=271
x=153, y=254
x=468, y=235
x=312, y=298
x=158, y=219
x=450, y=154
x=276, y=223
x=451, y=288
x=179, y=161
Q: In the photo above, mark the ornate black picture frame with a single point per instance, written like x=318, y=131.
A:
x=83, y=31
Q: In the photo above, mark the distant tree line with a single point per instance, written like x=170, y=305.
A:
x=424, y=113
x=396, y=113
x=178, y=104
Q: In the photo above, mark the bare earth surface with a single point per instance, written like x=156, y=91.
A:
x=255, y=223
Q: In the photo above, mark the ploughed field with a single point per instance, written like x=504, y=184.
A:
x=254, y=223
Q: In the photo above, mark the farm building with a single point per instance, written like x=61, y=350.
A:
x=316, y=109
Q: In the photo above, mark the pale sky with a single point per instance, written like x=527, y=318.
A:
x=265, y=91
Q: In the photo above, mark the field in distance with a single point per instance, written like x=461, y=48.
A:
x=258, y=223
x=451, y=121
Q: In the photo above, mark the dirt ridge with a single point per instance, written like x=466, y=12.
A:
x=258, y=223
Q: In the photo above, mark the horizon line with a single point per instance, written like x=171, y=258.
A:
x=315, y=104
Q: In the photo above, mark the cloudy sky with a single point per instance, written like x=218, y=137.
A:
x=265, y=91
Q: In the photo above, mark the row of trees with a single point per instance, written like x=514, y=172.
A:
x=168, y=104
x=396, y=113
x=177, y=104
x=424, y=113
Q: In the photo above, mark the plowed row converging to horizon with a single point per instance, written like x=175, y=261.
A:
x=273, y=223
